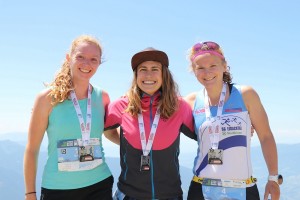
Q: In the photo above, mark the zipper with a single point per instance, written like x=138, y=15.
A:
x=151, y=160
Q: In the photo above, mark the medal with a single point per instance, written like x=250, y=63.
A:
x=215, y=157
x=145, y=163
x=146, y=146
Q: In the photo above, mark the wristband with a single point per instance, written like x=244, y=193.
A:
x=276, y=178
x=29, y=193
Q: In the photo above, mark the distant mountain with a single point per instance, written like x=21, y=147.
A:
x=11, y=168
x=288, y=160
x=20, y=138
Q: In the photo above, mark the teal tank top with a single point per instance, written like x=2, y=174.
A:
x=63, y=125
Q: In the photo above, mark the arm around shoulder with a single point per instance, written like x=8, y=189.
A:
x=187, y=127
x=190, y=98
x=105, y=100
x=113, y=135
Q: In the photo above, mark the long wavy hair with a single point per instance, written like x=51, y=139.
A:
x=168, y=103
x=62, y=84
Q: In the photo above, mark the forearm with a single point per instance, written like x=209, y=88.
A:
x=30, y=169
x=269, y=150
x=270, y=154
x=113, y=136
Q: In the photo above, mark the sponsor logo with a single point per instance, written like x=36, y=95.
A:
x=199, y=111
x=231, y=125
x=231, y=110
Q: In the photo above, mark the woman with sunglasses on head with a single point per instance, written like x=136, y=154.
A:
x=72, y=113
x=223, y=114
x=151, y=117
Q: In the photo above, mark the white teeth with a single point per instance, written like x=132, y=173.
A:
x=208, y=79
x=85, y=71
x=149, y=82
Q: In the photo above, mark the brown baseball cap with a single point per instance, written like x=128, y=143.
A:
x=149, y=54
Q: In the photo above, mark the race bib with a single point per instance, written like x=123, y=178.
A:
x=74, y=156
x=224, y=189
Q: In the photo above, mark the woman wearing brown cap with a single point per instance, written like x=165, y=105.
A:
x=224, y=113
x=151, y=117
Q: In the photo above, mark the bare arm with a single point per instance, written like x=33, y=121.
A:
x=105, y=100
x=113, y=135
x=37, y=128
x=261, y=125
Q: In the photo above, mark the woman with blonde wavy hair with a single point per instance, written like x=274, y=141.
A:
x=151, y=117
x=72, y=113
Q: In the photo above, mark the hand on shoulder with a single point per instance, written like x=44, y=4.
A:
x=190, y=99
x=105, y=98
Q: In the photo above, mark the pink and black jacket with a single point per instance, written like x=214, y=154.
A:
x=162, y=181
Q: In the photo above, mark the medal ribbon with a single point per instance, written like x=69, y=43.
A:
x=147, y=146
x=214, y=127
x=85, y=128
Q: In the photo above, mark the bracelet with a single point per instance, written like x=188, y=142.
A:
x=29, y=193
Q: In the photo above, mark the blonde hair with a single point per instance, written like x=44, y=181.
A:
x=168, y=103
x=62, y=84
x=227, y=77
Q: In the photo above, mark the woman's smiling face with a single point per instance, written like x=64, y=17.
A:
x=209, y=69
x=149, y=76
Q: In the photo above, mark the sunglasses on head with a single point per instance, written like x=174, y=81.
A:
x=206, y=47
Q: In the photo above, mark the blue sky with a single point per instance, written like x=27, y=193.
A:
x=260, y=40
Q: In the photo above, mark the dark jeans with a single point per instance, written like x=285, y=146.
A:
x=195, y=192
x=100, y=191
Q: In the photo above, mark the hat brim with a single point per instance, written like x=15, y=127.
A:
x=158, y=56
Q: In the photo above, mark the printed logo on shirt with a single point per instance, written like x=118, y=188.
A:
x=232, y=125
x=232, y=110
x=199, y=111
